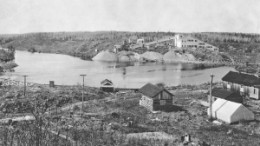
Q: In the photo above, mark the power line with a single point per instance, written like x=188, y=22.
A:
x=210, y=98
x=82, y=98
x=24, y=90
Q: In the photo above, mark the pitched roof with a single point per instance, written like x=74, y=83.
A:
x=226, y=111
x=150, y=90
x=227, y=95
x=106, y=82
x=230, y=107
x=241, y=78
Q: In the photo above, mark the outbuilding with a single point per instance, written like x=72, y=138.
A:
x=107, y=86
x=230, y=112
x=227, y=95
x=155, y=98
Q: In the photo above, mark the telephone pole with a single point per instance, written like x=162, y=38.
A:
x=24, y=90
x=82, y=98
x=210, y=98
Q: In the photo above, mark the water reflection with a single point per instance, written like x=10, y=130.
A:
x=63, y=69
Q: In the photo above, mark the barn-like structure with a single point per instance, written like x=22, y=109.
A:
x=155, y=98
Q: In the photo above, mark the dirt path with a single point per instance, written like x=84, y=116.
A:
x=70, y=106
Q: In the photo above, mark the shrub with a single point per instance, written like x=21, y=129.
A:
x=76, y=108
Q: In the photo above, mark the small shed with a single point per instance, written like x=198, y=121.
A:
x=107, y=86
x=155, y=98
x=230, y=112
x=227, y=95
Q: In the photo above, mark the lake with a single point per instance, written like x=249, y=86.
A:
x=66, y=70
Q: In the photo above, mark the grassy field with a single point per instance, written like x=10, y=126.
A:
x=110, y=118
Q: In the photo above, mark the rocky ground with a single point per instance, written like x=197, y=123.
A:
x=117, y=118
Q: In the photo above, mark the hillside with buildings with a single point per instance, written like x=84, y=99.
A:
x=177, y=48
x=87, y=44
x=153, y=115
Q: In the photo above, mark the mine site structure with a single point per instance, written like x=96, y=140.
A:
x=142, y=44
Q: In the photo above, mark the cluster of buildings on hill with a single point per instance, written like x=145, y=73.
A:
x=190, y=42
x=177, y=41
x=228, y=102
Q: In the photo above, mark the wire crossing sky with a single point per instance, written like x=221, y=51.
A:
x=23, y=16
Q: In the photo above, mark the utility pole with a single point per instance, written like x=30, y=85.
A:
x=210, y=98
x=24, y=90
x=83, y=76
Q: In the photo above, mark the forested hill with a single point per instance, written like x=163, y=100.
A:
x=240, y=41
x=84, y=44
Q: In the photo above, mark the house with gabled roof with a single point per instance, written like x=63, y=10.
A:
x=107, y=86
x=227, y=95
x=244, y=83
x=155, y=98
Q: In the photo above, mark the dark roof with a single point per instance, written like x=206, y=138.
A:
x=107, y=82
x=227, y=95
x=241, y=78
x=151, y=90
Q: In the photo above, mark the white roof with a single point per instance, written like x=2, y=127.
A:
x=230, y=112
x=222, y=104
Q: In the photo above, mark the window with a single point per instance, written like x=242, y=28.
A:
x=254, y=90
x=242, y=89
x=162, y=102
x=228, y=86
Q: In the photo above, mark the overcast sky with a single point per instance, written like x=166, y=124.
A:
x=22, y=16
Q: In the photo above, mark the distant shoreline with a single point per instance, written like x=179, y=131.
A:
x=201, y=64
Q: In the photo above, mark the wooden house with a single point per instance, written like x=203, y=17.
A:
x=227, y=95
x=107, y=86
x=244, y=83
x=155, y=98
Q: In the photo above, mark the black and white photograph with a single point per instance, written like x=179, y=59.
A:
x=129, y=73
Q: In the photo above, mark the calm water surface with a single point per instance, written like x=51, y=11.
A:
x=66, y=70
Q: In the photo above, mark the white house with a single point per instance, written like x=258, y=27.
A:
x=246, y=84
x=190, y=42
x=230, y=112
